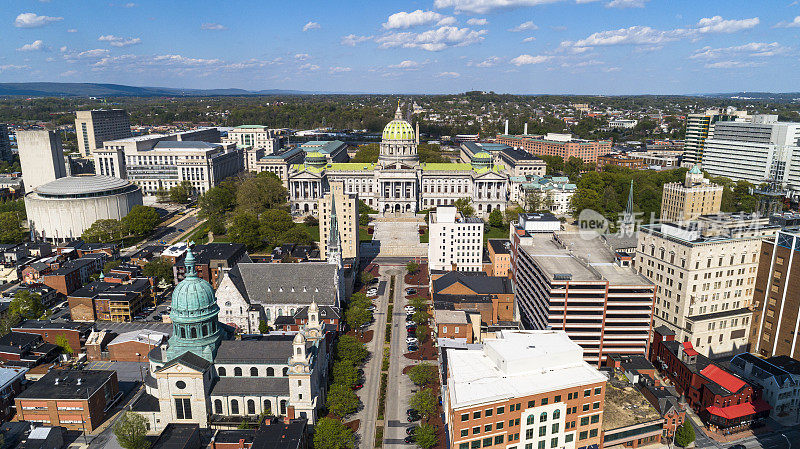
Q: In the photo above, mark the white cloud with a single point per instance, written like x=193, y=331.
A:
x=524, y=26
x=733, y=64
x=491, y=61
x=13, y=67
x=636, y=35
x=301, y=56
x=117, y=41
x=209, y=26
x=477, y=22
x=432, y=40
x=717, y=24
x=449, y=75
x=96, y=53
x=36, y=45
x=63, y=49
x=484, y=6
x=528, y=59
x=340, y=69
x=403, y=20
x=311, y=26
x=529, y=39
x=626, y=4
x=72, y=30
x=449, y=20
x=752, y=49
x=310, y=67
x=31, y=20
x=793, y=24
x=68, y=73
x=612, y=69
x=407, y=64
x=351, y=40
x=129, y=5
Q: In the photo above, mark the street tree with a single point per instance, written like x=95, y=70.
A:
x=141, y=220
x=131, y=430
x=412, y=267
x=422, y=333
x=424, y=402
x=261, y=192
x=425, y=436
x=684, y=435
x=330, y=433
x=348, y=348
x=423, y=374
x=160, y=269
x=345, y=373
x=26, y=305
x=105, y=230
x=181, y=193
x=496, y=218
x=464, y=206
x=244, y=230
x=342, y=400
x=357, y=317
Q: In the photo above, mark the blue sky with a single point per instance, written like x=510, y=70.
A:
x=428, y=46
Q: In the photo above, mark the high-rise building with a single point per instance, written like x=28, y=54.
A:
x=688, y=200
x=456, y=241
x=763, y=150
x=777, y=300
x=524, y=389
x=345, y=206
x=698, y=128
x=94, y=127
x=705, y=278
x=5, y=143
x=565, y=281
x=41, y=157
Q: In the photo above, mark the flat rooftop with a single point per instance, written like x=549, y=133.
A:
x=583, y=259
x=519, y=363
x=626, y=406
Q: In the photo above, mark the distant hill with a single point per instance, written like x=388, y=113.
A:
x=760, y=96
x=119, y=90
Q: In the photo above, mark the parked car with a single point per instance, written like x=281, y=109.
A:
x=410, y=323
x=411, y=410
x=411, y=291
x=156, y=317
x=409, y=309
x=411, y=340
x=414, y=417
x=373, y=281
x=411, y=329
x=409, y=439
x=358, y=386
x=412, y=348
x=372, y=292
x=411, y=429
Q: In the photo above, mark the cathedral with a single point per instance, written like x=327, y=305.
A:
x=398, y=182
x=203, y=376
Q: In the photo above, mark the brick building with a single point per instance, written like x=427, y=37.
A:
x=21, y=349
x=563, y=145
x=211, y=259
x=11, y=379
x=71, y=275
x=110, y=301
x=491, y=296
x=620, y=160
x=499, y=257
x=329, y=316
x=454, y=324
x=527, y=389
x=74, y=399
x=719, y=397
x=75, y=333
x=134, y=346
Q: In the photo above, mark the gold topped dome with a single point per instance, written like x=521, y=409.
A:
x=398, y=129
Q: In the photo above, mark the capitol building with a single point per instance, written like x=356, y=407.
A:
x=398, y=182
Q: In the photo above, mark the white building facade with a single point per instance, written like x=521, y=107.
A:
x=456, y=242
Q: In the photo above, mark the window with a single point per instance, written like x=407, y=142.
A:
x=530, y=420
x=557, y=398
x=498, y=439
x=488, y=413
x=595, y=418
x=476, y=415
x=585, y=407
x=254, y=371
x=487, y=442
x=285, y=372
x=583, y=435
x=183, y=408
x=270, y=372
x=464, y=417
x=556, y=414
x=554, y=442
x=463, y=446
x=251, y=407
x=464, y=432
x=544, y=401
x=237, y=372
x=487, y=428
x=476, y=430
x=585, y=421
x=476, y=444
x=180, y=384
x=597, y=390
x=499, y=425
x=234, y=407
x=543, y=417
x=554, y=428
x=501, y=410
x=586, y=393
x=540, y=445
x=529, y=434
x=593, y=433
x=568, y=438
x=221, y=371
x=531, y=404
x=596, y=405
x=542, y=431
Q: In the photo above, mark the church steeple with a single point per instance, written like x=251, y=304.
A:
x=398, y=114
x=628, y=224
x=334, y=246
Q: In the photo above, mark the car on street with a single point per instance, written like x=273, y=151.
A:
x=411, y=329
x=411, y=429
x=373, y=281
x=411, y=340
x=409, y=309
x=410, y=323
x=358, y=386
x=371, y=307
x=411, y=291
x=412, y=348
x=156, y=317
x=413, y=416
x=372, y=292
x=409, y=439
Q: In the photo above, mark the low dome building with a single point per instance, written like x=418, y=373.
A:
x=62, y=209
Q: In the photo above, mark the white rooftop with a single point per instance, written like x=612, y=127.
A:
x=146, y=336
x=8, y=374
x=517, y=364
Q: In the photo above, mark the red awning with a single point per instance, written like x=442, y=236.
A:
x=740, y=410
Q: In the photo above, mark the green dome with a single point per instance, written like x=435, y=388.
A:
x=482, y=156
x=193, y=297
x=316, y=159
x=695, y=170
x=398, y=130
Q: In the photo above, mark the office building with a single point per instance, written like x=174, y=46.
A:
x=499, y=252
x=516, y=162
x=705, y=279
x=339, y=211
x=658, y=160
x=41, y=157
x=159, y=162
x=551, y=193
x=524, y=389
x=95, y=127
x=763, y=150
x=700, y=126
x=779, y=380
x=554, y=144
x=5, y=144
x=688, y=200
x=456, y=241
x=566, y=281
x=777, y=299
x=489, y=297
x=620, y=160
x=256, y=141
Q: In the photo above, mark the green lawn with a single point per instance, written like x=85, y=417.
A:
x=494, y=233
x=313, y=230
x=363, y=234
x=423, y=238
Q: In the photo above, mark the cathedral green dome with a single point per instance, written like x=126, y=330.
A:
x=398, y=130
x=193, y=297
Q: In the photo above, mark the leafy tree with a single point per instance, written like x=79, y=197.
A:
x=425, y=436
x=160, y=269
x=464, y=205
x=263, y=327
x=297, y=234
x=342, y=400
x=412, y=267
x=430, y=153
x=573, y=167
x=555, y=164
x=685, y=434
x=423, y=374
x=64, y=344
x=418, y=304
x=244, y=229
x=131, y=430
x=420, y=317
x=345, y=373
x=311, y=220
x=181, y=193
x=357, y=317
x=350, y=349
x=141, y=220
x=422, y=333
x=330, y=433
x=273, y=224
x=7, y=322
x=496, y=218
x=366, y=153
x=26, y=305
x=364, y=208
x=105, y=230
x=162, y=195
x=585, y=199
x=261, y=192
x=533, y=200
x=11, y=228
x=110, y=265
x=424, y=402
x=218, y=200
x=366, y=277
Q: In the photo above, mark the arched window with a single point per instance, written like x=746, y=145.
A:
x=299, y=350
x=269, y=313
x=254, y=371
x=251, y=407
x=530, y=419
x=286, y=371
x=237, y=372
x=283, y=407
x=183, y=332
x=221, y=371
x=556, y=414
x=194, y=332
x=270, y=372
x=267, y=407
x=543, y=417
x=234, y=407
x=218, y=406
x=205, y=330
